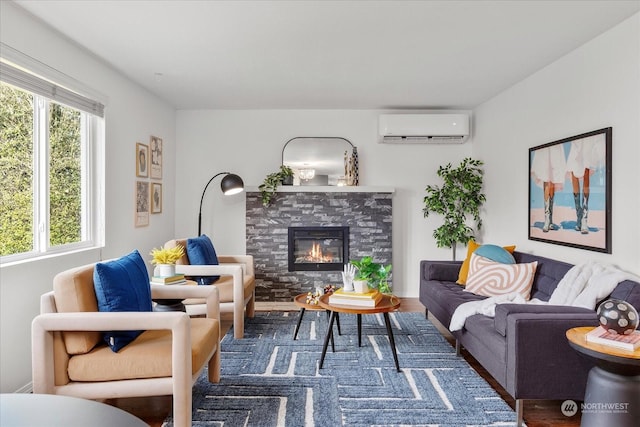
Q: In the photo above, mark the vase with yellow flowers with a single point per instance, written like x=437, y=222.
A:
x=165, y=260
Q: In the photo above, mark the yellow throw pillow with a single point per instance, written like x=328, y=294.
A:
x=471, y=248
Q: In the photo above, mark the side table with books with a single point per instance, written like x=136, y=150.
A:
x=612, y=396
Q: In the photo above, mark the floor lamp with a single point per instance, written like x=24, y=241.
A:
x=231, y=184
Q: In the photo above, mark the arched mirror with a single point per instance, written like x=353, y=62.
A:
x=321, y=160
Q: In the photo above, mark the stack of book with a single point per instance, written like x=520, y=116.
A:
x=600, y=335
x=367, y=299
x=176, y=279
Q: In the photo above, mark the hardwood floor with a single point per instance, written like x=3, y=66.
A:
x=537, y=413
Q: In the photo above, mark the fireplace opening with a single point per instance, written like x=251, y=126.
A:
x=318, y=248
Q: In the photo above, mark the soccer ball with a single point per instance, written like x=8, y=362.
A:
x=618, y=316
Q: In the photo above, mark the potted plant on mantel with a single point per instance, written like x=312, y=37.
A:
x=271, y=182
x=460, y=195
x=165, y=260
x=372, y=275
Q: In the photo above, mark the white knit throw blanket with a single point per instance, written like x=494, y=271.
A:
x=584, y=285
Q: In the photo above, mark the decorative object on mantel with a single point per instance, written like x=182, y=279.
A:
x=460, y=195
x=375, y=275
x=231, y=184
x=271, y=182
x=352, y=167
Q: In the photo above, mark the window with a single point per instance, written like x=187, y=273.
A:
x=49, y=146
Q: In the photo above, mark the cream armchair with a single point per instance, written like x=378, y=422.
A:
x=70, y=358
x=237, y=284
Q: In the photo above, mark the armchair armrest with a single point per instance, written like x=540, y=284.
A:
x=44, y=326
x=234, y=270
x=245, y=260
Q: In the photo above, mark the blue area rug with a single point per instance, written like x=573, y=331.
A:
x=270, y=380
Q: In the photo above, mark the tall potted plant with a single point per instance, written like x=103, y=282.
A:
x=459, y=196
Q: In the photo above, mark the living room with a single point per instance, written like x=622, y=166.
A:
x=593, y=85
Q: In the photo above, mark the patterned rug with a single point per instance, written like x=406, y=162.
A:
x=270, y=380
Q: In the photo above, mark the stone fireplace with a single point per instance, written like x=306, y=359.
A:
x=337, y=224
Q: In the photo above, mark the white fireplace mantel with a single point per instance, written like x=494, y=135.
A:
x=325, y=189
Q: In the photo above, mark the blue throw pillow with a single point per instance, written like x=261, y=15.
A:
x=200, y=251
x=495, y=253
x=122, y=285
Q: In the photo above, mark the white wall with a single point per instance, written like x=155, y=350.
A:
x=132, y=114
x=250, y=143
x=595, y=86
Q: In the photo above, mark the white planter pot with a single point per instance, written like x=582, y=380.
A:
x=361, y=286
x=165, y=270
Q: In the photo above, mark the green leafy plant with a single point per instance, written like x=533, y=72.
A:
x=460, y=196
x=167, y=256
x=272, y=181
x=375, y=274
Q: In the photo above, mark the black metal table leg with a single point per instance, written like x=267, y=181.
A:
x=333, y=347
x=338, y=323
x=295, y=333
x=326, y=338
x=359, y=330
x=391, y=340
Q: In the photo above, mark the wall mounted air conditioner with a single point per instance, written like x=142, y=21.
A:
x=445, y=128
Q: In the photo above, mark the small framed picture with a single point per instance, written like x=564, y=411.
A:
x=156, y=198
x=142, y=160
x=142, y=204
x=156, y=157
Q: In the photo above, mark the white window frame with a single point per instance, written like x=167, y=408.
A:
x=71, y=94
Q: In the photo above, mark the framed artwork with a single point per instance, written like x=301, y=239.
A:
x=142, y=204
x=142, y=160
x=156, y=198
x=570, y=191
x=156, y=157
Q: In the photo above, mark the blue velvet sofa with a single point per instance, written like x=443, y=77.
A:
x=524, y=347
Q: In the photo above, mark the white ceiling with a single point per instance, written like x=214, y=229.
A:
x=330, y=54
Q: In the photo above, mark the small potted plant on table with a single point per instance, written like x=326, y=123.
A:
x=372, y=275
x=165, y=260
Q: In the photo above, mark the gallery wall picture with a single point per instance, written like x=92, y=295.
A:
x=156, y=157
x=156, y=198
x=142, y=204
x=142, y=160
x=570, y=191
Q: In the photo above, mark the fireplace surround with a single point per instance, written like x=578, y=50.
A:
x=365, y=211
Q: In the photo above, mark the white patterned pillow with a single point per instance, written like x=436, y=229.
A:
x=490, y=278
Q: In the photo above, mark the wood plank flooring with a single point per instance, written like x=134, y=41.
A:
x=537, y=413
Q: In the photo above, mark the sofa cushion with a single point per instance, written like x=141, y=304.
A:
x=464, y=269
x=489, y=278
x=122, y=285
x=201, y=252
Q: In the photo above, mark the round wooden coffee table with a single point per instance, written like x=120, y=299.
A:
x=387, y=304
x=612, y=396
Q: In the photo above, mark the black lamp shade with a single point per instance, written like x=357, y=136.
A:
x=231, y=184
